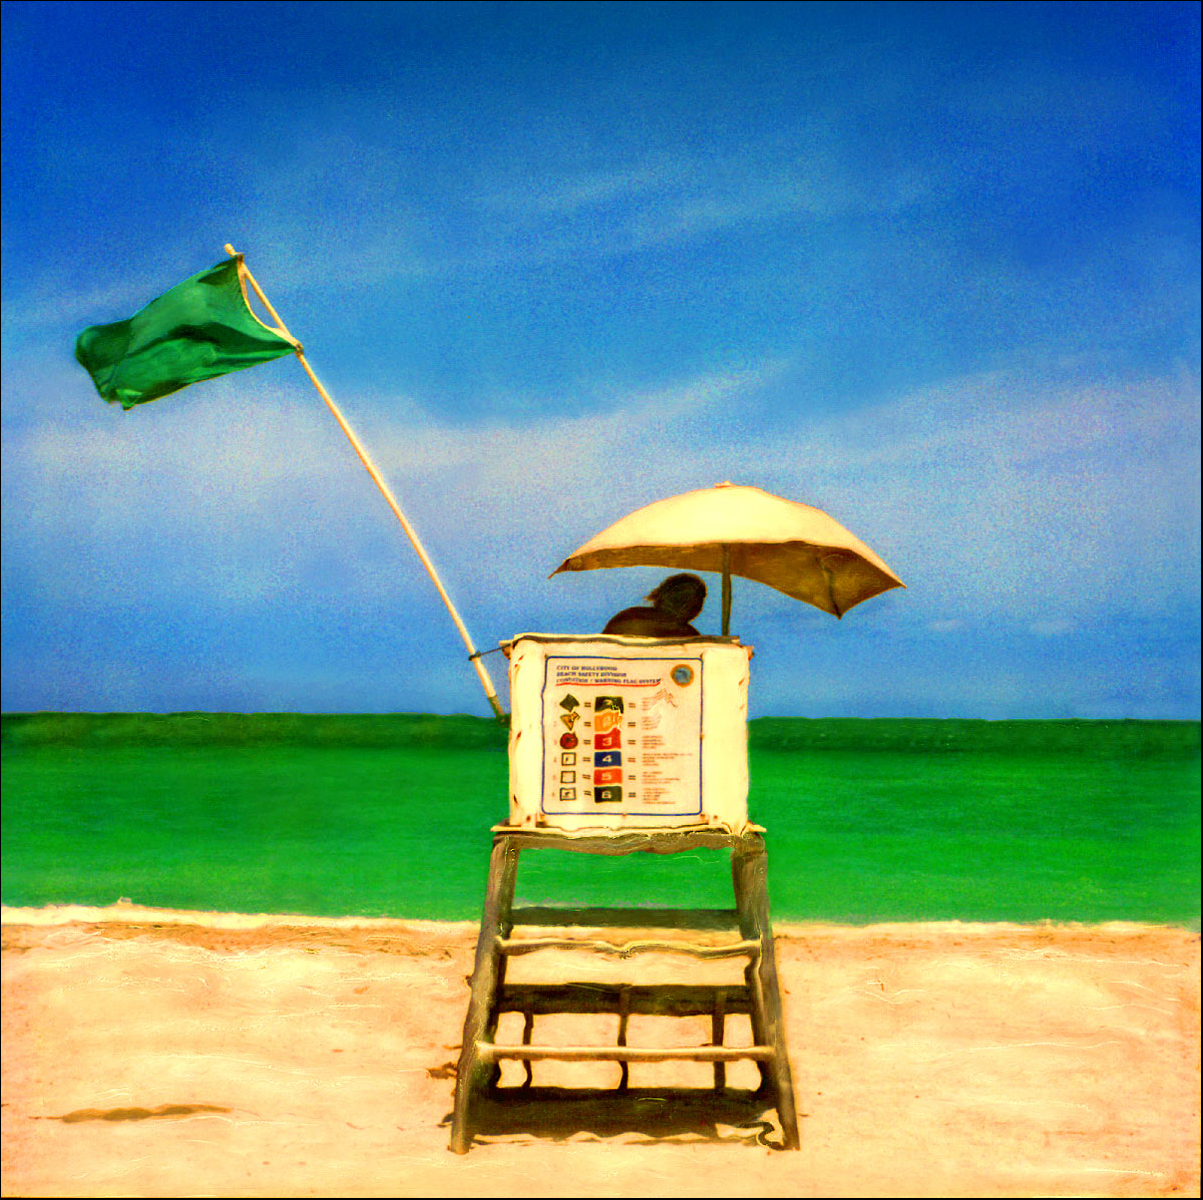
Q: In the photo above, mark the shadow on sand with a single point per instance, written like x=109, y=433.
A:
x=662, y=1114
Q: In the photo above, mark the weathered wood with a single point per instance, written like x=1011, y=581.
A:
x=654, y=841
x=759, y=996
x=488, y=976
x=749, y=869
x=516, y=946
x=717, y=1034
x=693, y=919
x=747, y=926
x=660, y=999
x=490, y=1051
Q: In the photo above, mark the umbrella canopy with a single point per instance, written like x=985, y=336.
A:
x=744, y=531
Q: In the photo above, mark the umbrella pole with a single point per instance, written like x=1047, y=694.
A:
x=726, y=591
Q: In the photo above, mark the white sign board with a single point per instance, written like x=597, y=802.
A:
x=620, y=732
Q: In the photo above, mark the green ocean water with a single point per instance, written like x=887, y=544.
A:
x=389, y=816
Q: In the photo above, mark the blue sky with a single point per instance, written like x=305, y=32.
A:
x=931, y=268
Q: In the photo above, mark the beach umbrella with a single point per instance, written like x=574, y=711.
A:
x=797, y=549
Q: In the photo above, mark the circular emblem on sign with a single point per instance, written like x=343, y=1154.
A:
x=682, y=675
x=568, y=741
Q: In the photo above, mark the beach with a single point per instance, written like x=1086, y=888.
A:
x=160, y=1053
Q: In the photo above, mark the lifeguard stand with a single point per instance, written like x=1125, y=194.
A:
x=621, y=745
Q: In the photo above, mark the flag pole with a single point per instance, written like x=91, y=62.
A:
x=365, y=458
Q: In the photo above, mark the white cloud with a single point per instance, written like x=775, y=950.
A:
x=994, y=497
x=561, y=195
x=999, y=492
x=997, y=498
x=661, y=199
x=58, y=303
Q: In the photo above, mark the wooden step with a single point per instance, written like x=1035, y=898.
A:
x=628, y=918
x=492, y=1052
x=746, y=949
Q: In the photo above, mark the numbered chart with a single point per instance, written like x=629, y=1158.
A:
x=622, y=735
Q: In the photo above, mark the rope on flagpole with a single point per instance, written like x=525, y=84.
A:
x=365, y=458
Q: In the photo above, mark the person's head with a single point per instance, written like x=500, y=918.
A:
x=680, y=596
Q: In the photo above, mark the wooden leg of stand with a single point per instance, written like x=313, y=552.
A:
x=749, y=867
x=748, y=929
x=481, y=1021
x=717, y=1037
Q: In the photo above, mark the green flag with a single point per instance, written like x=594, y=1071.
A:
x=200, y=329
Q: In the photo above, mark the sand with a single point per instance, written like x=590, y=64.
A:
x=149, y=1053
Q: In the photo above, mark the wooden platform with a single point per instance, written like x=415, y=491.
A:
x=548, y=928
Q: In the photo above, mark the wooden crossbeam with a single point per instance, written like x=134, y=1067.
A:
x=491, y=1052
x=628, y=918
x=757, y=997
x=741, y=949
